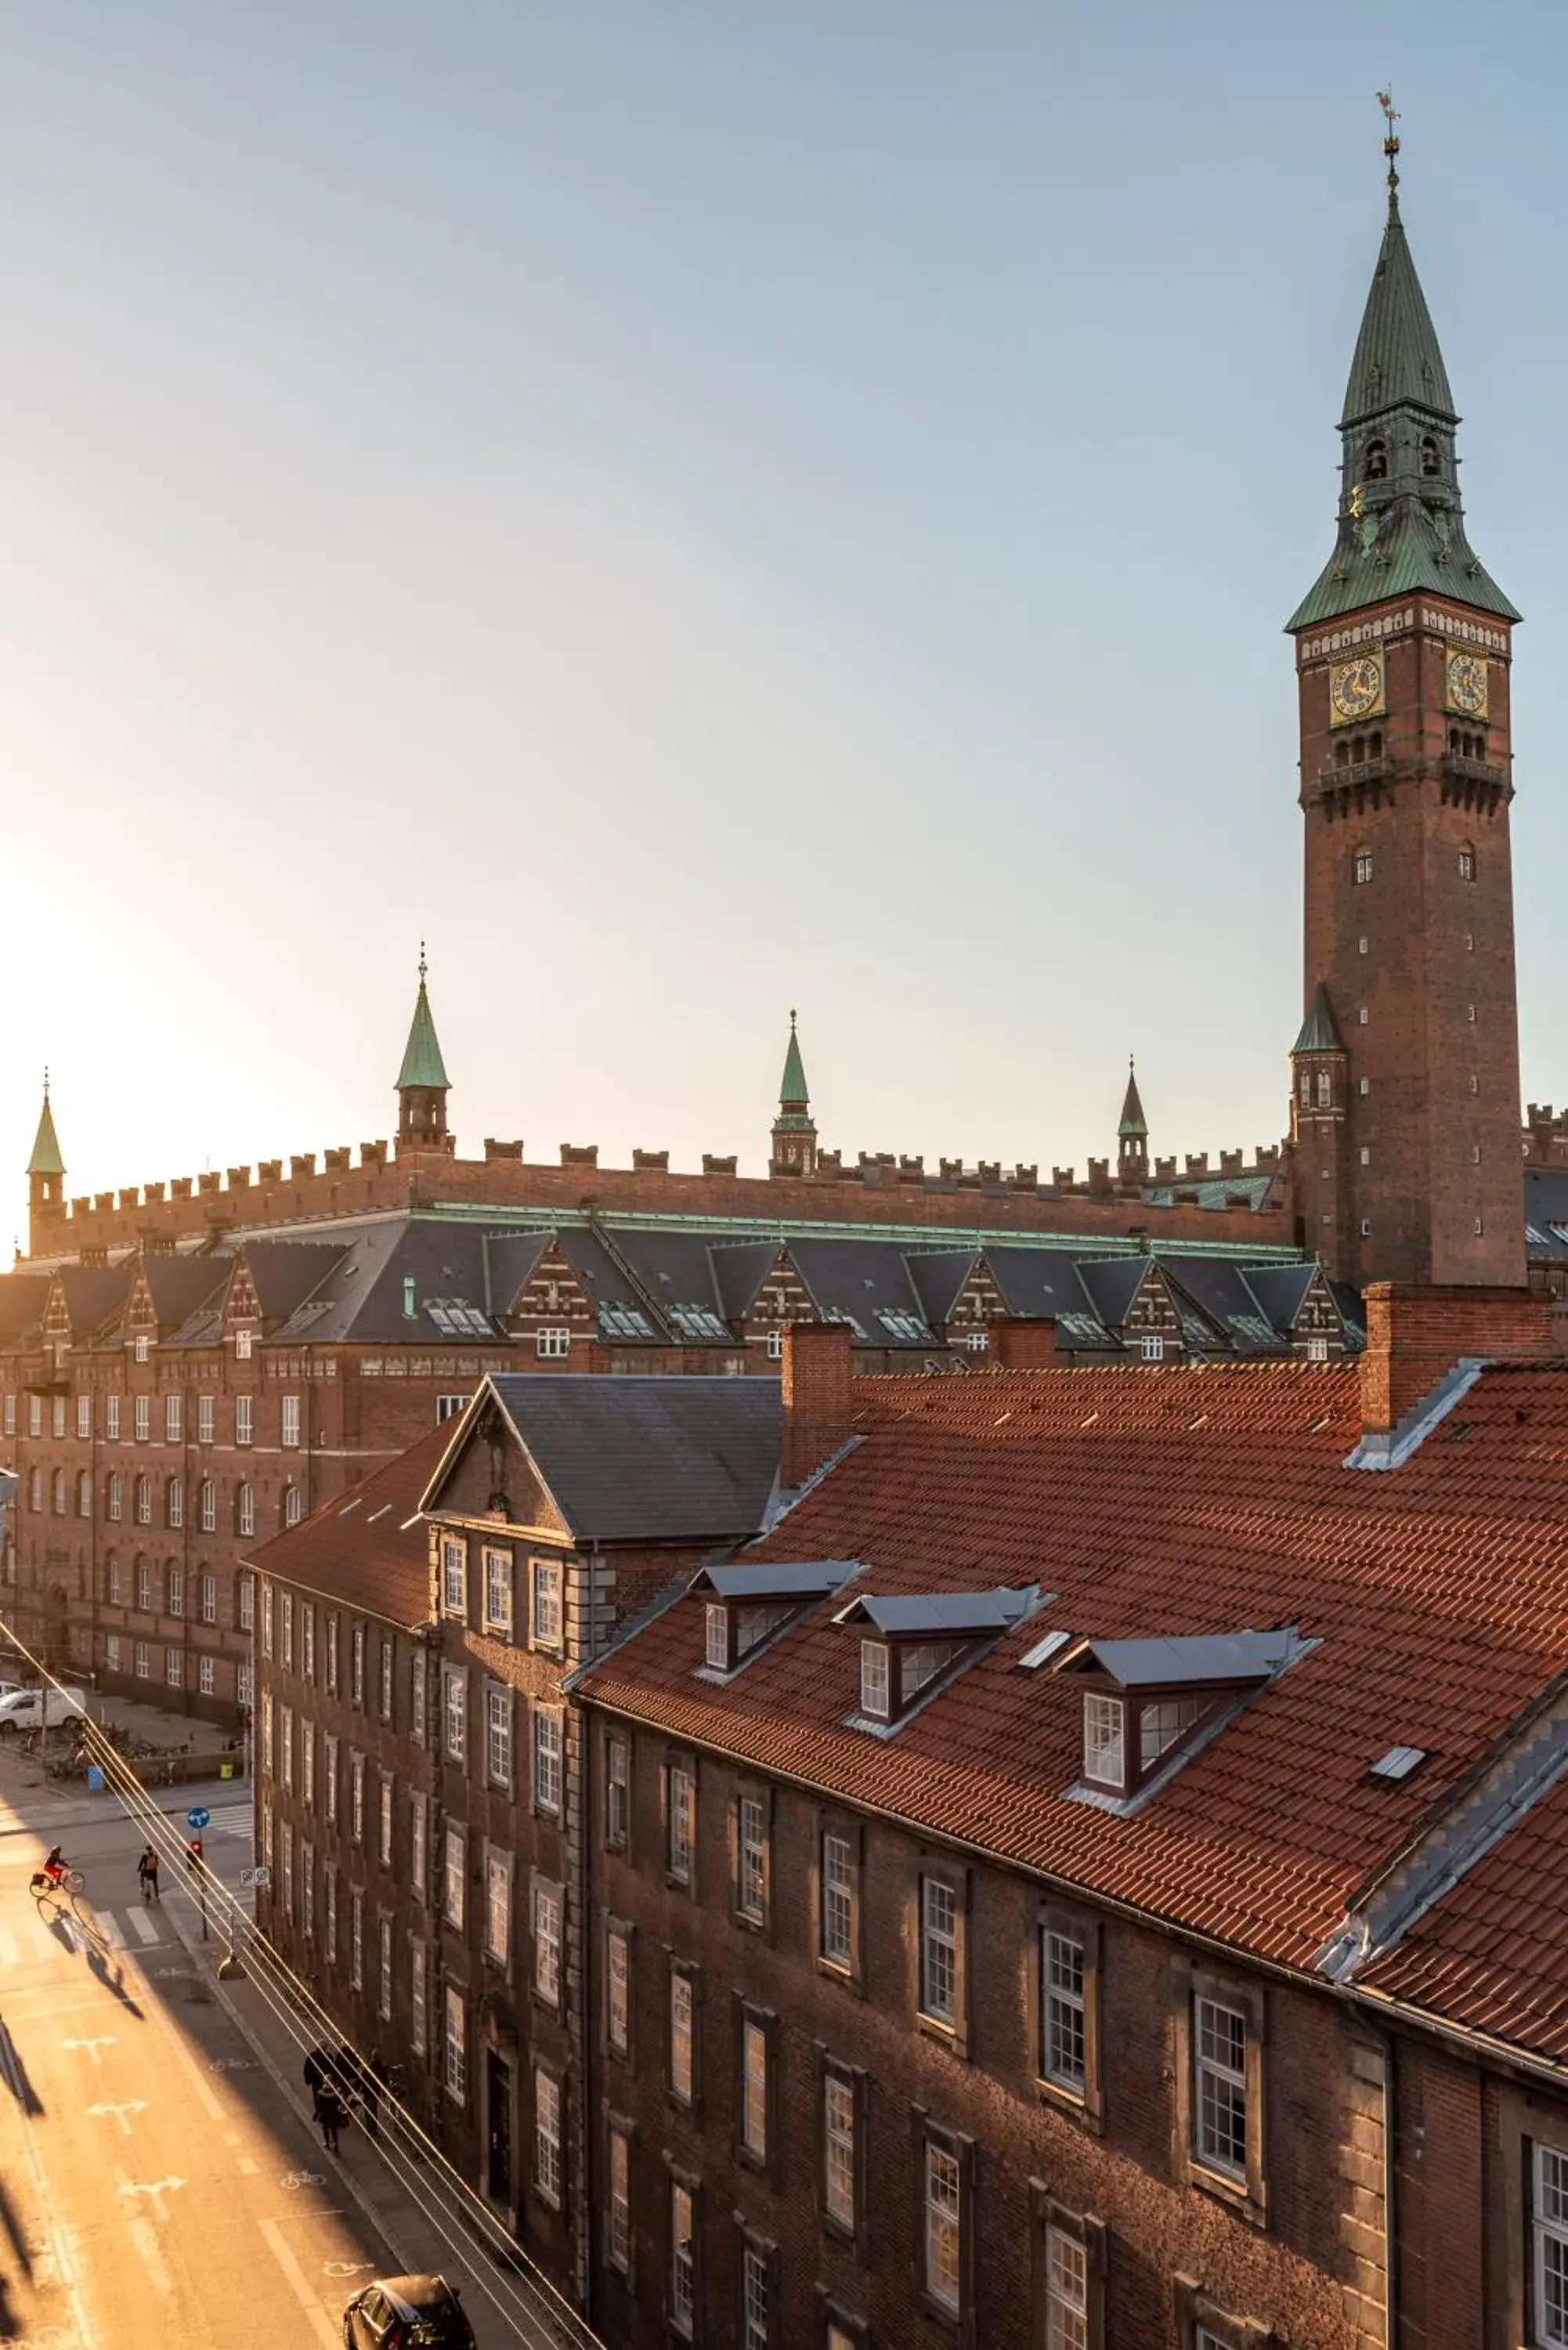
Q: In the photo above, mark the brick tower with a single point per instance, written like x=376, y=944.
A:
x=422, y=1081
x=1405, y=1077
x=794, y=1128
x=46, y=1184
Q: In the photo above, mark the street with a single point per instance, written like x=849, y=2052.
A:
x=156, y=2187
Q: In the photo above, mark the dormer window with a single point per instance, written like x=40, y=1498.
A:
x=143, y=1347
x=876, y=1680
x=908, y=1644
x=1105, y=1740
x=747, y=1606
x=242, y=1346
x=1150, y=1698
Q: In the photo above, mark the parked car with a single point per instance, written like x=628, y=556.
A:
x=407, y=2313
x=25, y=1708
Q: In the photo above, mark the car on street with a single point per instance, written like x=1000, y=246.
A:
x=25, y=1708
x=407, y=2313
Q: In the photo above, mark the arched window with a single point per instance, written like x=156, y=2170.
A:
x=292, y=1505
x=114, y=1587
x=84, y=1494
x=58, y=1494
x=175, y=1501
x=1431, y=458
x=143, y=1600
x=1324, y=1090
x=112, y=1501
x=144, y=1501
x=209, y=1506
x=1375, y=746
x=1341, y=752
x=35, y=1489
x=1363, y=866
x=245, y=1510
x=1467, y=863
x=1376, y=461
x=1306, y=1089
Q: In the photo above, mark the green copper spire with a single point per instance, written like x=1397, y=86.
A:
x=792, y=1095
x=422, y=1064
x=1320, y=1030
x=1401, y=524
x=1133, y=1120
x=46, y=1159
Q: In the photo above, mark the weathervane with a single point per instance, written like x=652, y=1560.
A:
x=1391, y=137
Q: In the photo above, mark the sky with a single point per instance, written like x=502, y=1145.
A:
x=694, y=511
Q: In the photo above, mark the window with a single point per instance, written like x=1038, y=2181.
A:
x=1548, y=2233
x=172, y=1419
x=206, y=1419
x=174, y=1668
x=942, y=2265
x=618, y=2222
x=1104, y=1743
x=1366, y=1154
x=1152, y=1348
x=548, y=1942
x=1470, y=1014
x=682, y=1805
x=1220, y=2085
x=307, y=1758
x=419, y=1832
x=456, y=2058
x=329, y=1914
x=384, y=1969
x=1066, y=2290
x=449, y=1405
x=683, y=2035
x=547, y=2135
x=751, y=1859
x=840, y=2197
x=243, y=1419
x=244, y=1684
x=682, y=2260
x=176, y=1591
x=717, y=1648
x=1467, y=864
x=1366, y=1228
x=142, y=1418
x=836, y=1925
x=243, y=1339
x=498, y=1591
x=1362, y=1015
x=875, y=1684
x=246, y=1589
x=618, y=1990
x=384, y=1821
x=114, y=1503
x=548, y=1627
x=455, y=1682
x=1363, y=865
x=35, y=1489
x=547, y=1760
x=552, y=1345
x=143, y=1662
x=454, y=1576
x=498, y=1736
x=617, y=1793
x=290, y=1432
x=9, y=1424
x=356, y=1800
x=307, y=1639
x=330, y=1776
x=418, y=2027
x=329, y=1642
x=83, y=1415
x=1365, y=1085
x=384, y=1682
x=416, y=1697
x=1163, y=1723
x=246, y=1509
x=116, y=1585
x=357, y=1667
x=454, y=1878
x=143, y=1587
x=938, y=1951
x=143, y=1491
x=292, y=1505
x=207, y=1676
x=209, y=1493
x=112, y=1652
x=411, y=1297
x=84, y=1494
x=285, y=1629
x=1063, y=2037
x=754, y=2087
x=756, y=2297
x=498, y=1908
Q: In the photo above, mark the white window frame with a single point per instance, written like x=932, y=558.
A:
x=206, y=1419
x=453, y=1575
x=418, y=1995
x=454, y=2067
x=1217, y=2086
x=245, y=1419
x=1066, y=2289
x=1105, y=1740
x=288, y=1433
x=682, y=2259
x=173, y=1418
x=751, y=1858
x=939, y=1950
x=548, y=1927
x=549, y=1759
x=553, y=1344
x=83, y=1415
x=680, y=1826
x=875, y=1679
x=941, y=2249
x=454, y=1877
x=618, y=1990
x=384, y=1967
x=618, y=2225
x=1549, y=2244
x=1063, y=2021
x=548, y=2136
x=682, y=2035
x=498, y=1908
x=497, y=1566
x=835, y=1928
x=546, y=1579
x=839, y=2121
x=454, y=1713
x=498, y=1734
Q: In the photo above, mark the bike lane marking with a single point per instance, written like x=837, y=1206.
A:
x=282, y=2254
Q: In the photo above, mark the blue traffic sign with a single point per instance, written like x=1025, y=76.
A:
x=197, y=1816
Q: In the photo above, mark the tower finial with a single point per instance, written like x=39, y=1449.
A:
x=46, y=1081
x=1390, y=147
x=423, y=966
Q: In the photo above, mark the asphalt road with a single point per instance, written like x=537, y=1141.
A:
x=157, y=2191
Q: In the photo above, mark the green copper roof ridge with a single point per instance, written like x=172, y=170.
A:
x=422, y=1064
x=46, y=1159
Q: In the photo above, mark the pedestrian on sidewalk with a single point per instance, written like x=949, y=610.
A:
x=330, y=2114
x=147, y=1872
x=315, y=2063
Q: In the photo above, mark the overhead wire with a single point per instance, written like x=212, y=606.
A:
x=526, y=2297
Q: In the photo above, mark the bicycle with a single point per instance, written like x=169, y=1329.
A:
x=65, y=1881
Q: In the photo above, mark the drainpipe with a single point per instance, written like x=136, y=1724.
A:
x=577, y=1863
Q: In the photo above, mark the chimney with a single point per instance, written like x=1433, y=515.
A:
x=1415, y=1338
x=1025, y=1342
x=818, y=1395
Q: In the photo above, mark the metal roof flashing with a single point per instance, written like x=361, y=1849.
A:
x=1391, y=1448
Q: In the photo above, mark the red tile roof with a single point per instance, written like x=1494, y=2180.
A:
x=1186, y=1499
x=370, y=1548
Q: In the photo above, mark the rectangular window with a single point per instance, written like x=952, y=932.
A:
x=617, y=1793
x=143, y=1410
x=680, y=1824
x=357, y=1940
x=269, y=1612
x=36, y=1414
x=498, y=1592
x=357, y=1667
x=938, y=1951
x=1220, y=2085
x=285, y=1859
x=418, y=1835
x=618, y=2224
x=454, y=1576
x=498, y=1736
x=357, y=1797
x=682, y=2260
x=307, y=1639
x=498, y=1908
x=456, y=1713
x=330, y=1643
x=206, y=1419
x=751, y=1859
x=618, y=1990
x=307, y=1892
x=111, y=1653
x=209, y=1598
x=111, y=1416
x=84, y=1414
x=756, y=2299
x=943, y=2244
x=1062, y=2038
x=207, y=1676
x=176, y=1591
x=285, y=1627
x=285, y=1744
x=552, y=1345
x=243, y=1339
x=246, y=1589
x=172, y=1417
x=1104, y=1743
x=1549, y=2230
x=384, y=1690
x=1066, y=2291
x=548, y=2136
x=417, y=1698
x=329, y=1777
x=329, y=1915
x=454, y=1878
x=384, y=1969
x=547, y=1943
x=384, y=1821
x=547, y=1759
x=209, y=1506
x=456, y=2051
x=838, y=1922
x=419, y=2012
x=174, y=1668
x=143, y=1587
x=548, y=1625
x=8, y=1423
x=754, y=2071
x=244, y=1420
x=683, y=2035
x=876, y=1683
x=291, y=1421
x=307, y=1763
x=245, y=1684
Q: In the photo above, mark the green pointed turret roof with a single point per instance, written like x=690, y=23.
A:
x=1133, y=1120
x=1320, y=1030
x=1396, y=354
x=793, y=1094
x=422, y=1064
x=46, y=1159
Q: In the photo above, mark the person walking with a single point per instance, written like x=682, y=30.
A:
x=315, y=2063
x=147, y=1875
x=330, y=2112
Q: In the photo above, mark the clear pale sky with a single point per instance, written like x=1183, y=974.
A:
x=694, y=510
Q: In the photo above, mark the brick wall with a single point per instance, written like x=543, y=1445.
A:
x=818, y=1396
x=1416, y=1336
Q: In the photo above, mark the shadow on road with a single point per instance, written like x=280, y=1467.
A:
x=110, y=1973
x=13, y=2236
x=14, y=2073
x=10, y=2326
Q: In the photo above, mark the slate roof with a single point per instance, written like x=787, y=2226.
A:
x=284, y=1273
x=368, y=1548
x=179, y=1285
x=23, y=1297
x=1159, y=1503
x=654, y=1459
x=92, y=1293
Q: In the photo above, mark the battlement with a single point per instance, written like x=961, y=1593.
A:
x=1545, y=1136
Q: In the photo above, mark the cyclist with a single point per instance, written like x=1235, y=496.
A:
x=53, y=1866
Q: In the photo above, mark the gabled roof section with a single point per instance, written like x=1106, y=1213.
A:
x=46, y=1159
x=1319, y=1031
x=422, y=1064
x=284, y=1273
x=939, y=1615
x=92, y=1294
x=866, y=1284
x=1202, y=1659
x=23, y=1297
x=776, y=1580
x=177, y=1286
x=369, y=1547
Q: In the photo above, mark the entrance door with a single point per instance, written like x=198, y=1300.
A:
x=498, y=2108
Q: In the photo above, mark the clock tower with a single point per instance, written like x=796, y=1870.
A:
x=1405, y=1113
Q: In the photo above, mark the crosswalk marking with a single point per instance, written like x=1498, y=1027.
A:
x=9, y=1954
x=112, y=1933
x=145, y=1926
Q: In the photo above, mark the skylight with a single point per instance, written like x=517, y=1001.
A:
x=698, y=1322
x=899, y=1323
x=1042, y=1651
x=1399, y=1761
x=623, y=1322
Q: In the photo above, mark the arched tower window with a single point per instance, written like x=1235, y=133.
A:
x=1378, y=460
x=1341, y=752
x=1306, y=1089
x=1324, y=1090
x=1363, y=866
x=1467, y=863
x=1375, y=744
x=1432, y=458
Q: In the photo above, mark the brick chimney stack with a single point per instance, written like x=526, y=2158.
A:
x=818, y=1395
x=1416, y=1336
x=1025, y=1342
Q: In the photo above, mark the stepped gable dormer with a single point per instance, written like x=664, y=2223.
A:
x=422, y=1081
x=1132, y=1134
x=794, y=1141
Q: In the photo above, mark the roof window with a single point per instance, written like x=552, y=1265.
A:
x=1399, y=1762
x=747, y=1607
x=1150, y=1699
x=624, y=1322
x=909, y=1644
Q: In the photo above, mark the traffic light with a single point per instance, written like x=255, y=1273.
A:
x=193, y=1851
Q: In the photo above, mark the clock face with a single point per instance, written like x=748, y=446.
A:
x=1468, y=683
x=1355, y=688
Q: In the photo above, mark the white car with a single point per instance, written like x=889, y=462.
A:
x=25, y=1708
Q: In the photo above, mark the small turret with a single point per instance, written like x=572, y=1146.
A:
x=1132, y=1134
x=46, y=1181
x=422, y=1081
x=794, y=1130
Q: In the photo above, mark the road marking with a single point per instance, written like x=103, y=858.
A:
x=131, y=2106
x=149, y=2255
x=345, y=2268
x=9, y=1953
x=144, y=1925
x=302, y=2179
x=91, y=2047
x=326, y=2332
x=156, y=2188
x=110, y=1930
x=247, y=2167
